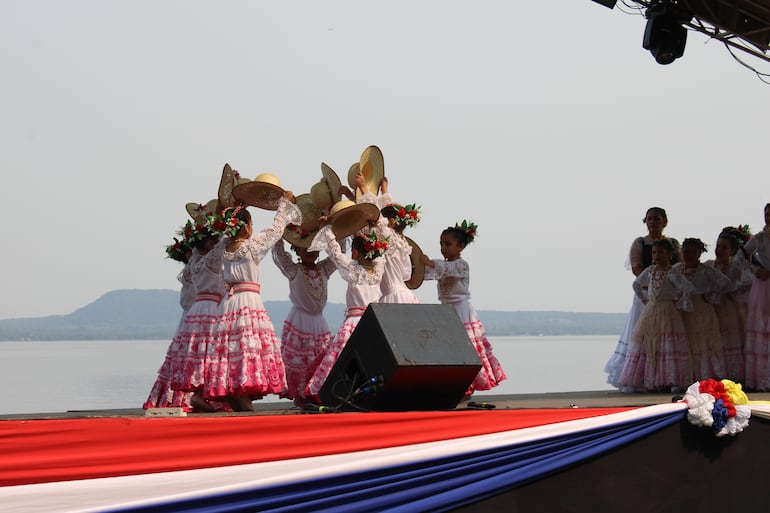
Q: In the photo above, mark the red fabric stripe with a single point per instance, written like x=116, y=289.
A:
x=61, y=450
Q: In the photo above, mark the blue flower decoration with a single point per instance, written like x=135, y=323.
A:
x=720, y=415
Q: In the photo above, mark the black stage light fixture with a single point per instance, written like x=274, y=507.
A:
x=607, y=3
x=664, y=35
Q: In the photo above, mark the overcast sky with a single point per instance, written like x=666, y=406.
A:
x=544, y=122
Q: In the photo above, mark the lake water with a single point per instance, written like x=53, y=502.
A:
x=89, y=375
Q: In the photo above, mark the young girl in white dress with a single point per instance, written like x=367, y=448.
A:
x=190, y=346
x=161, y=395
x=701, y=324
x=639, y=259
x=732, y=305
x=362, y=271
x=393, y=220
x=244, y=363
x=757, y=347
x=453, y=275
x=658, y=356
x=306, y=333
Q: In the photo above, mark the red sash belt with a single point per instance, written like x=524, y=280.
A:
x=243, y=286
x=208, y=296
x=356, y=311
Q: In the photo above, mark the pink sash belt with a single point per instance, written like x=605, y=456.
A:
x=242, y=286
x=208, y=296
x=356, y=311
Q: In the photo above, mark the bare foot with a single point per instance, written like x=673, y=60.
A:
x=200, y=404
x=242, y=403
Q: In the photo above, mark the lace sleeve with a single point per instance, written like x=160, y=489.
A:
x=745, y=278
x=685, y=290
x=368, y=197
x=346, y=266
x=385, y=200
x=720, y=284
x=213, y=259
x=262, y=242
x=635, y=258
x=321, y=240
x=641, y=285
x=457, y=268
x=283, y=260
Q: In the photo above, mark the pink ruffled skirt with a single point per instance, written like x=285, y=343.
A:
x=245, y=356
x=491, y=373
x=304, y=342
x=327, y=360
x=757, y=348
x=658, y=355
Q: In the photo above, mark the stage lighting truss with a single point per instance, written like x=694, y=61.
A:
x=740, y=24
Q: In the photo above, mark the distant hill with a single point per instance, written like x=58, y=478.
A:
x=155, y=314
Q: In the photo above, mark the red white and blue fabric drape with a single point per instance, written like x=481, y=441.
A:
x=414, y=461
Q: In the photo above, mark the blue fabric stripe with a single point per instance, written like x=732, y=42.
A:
x=435, y=485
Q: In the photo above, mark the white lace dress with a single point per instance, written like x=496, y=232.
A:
x=659, y=356
x=306, y=333
x=731, y=314
x=757, y=347
x=453, y=282
x=639, y=254
x=190, y=346
x=363, y=288
x=245, y=358
x=702, y=324
x=398, y=264
x=161, y=394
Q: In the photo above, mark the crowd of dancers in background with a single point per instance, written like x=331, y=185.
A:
x=692, y=320
x=225, y=353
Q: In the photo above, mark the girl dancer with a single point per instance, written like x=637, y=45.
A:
x=639, y=259
x=453, y=275
x=658, y=355
x=757, y=348
x=161, y=394
x=244, y=362
x=363, y=271
x=731, y=307
x=393, y=220
x=190, y=346
x=701, y=324
x=305, y=333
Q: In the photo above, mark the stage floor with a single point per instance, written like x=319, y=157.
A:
x=587, y=399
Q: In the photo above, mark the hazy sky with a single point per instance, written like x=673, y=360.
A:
x=544, y=122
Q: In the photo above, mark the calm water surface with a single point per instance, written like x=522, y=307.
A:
x=88, y=375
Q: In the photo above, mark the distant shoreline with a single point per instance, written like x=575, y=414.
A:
x=154, y=315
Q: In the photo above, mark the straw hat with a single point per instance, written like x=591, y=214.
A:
x=199, y=212
x=310, y=213
x=333, y=181
x=372, y=166
x=418, y=267
x=347, y=217
x=298, y=237
x=230, y=178
x=326, y=193
x=263, y=192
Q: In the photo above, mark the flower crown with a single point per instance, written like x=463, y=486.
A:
x=744, y=234
x=374, y=245
x=194, y=232
x=469, y=229
x=226, y=223
x=408, y=215
x=177, y=250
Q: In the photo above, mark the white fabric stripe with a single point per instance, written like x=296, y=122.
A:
x=761, y=410
x=91, y=495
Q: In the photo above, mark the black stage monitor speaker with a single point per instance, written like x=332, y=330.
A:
x=403, y=357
